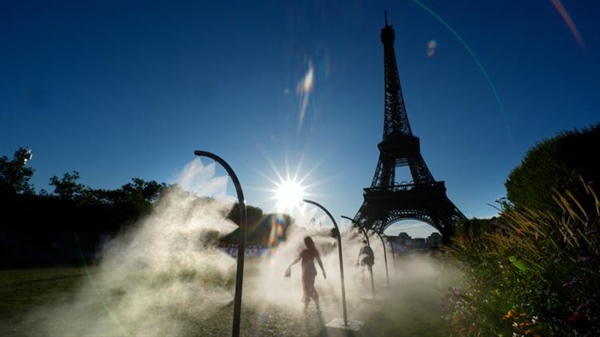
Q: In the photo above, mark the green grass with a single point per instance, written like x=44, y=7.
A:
x=22, y=290
x=415, y=313
x=409, y=309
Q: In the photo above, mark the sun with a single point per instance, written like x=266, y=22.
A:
x=288, y=194
x=286, y=187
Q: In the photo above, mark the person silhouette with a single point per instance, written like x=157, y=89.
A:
x=366, y=259
x=309, y=272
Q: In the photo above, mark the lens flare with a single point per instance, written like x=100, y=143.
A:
x=567, y=19
x=277, y=234
x=431, y=47
x=306, y=84
x=475, y=58
x=304, y=88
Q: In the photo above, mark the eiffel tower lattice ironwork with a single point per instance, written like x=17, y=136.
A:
x=388, y=201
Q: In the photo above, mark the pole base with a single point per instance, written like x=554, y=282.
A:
x=372, y=299
x=337, y=327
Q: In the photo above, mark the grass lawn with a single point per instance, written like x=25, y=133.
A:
x=409, y=307
x=22, y=290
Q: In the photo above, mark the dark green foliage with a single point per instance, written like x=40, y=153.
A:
x=253, y=214
x=536, y=273
x=135, y=200
x=474, y=227
x=69, y=225
x=41, y=230
x=14, y=176
x=554, y=166
x=68, y=188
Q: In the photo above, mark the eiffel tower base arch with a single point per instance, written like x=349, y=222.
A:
x=426, y=203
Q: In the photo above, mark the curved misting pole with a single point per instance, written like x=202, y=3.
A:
x=237, y=305
x=339, y=239
x=387, y=275
x=393, y=252
x=368, y=244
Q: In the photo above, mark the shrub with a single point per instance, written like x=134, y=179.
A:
x=535, y=274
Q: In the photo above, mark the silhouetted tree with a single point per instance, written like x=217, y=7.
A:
x=554, y=166
x=47, y=234
x=253, y=214
x=135, y=199
x=472, y=228
x=14, y=176
x=141, y=190
x=68, y=188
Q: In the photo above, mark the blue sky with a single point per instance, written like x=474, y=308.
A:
x=292, y=89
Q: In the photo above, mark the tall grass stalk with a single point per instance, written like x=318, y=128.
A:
x=534, y=274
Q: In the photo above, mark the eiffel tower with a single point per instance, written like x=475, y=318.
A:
x=388, y=201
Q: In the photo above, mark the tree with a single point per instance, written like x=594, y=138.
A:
x=68, y=188
x=142, y=191
x=474, y=228
x=14, y=176
x=135, y=199
x=253, y=214
x=554, y=166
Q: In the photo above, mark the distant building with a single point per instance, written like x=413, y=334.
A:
x=418, y=243
x=435, y=239
x=404, y=239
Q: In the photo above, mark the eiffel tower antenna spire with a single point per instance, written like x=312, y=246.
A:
x=387, y=200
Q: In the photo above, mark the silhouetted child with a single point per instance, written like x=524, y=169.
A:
x=366, y=259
